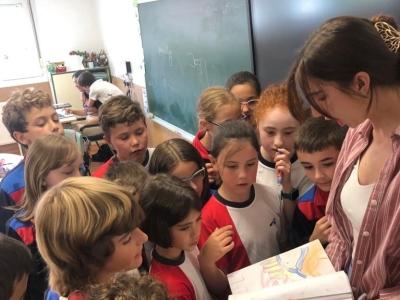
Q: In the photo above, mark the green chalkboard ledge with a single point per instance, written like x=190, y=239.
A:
x=174, y=129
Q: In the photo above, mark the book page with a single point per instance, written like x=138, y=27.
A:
x=309, y=260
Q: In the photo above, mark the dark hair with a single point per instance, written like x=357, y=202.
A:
x=236, y=129
x=86, y=78
x=119, y=110
x=244, y=77
x=317, y=134
x=77, y=73
x=339, y=49
x=129, y=174
x=170, y=153
x=15, y=262
x=166, y=201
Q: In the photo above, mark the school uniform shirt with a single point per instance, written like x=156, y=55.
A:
x=310, y=208
x=181, y=277
x=266, y=175
x=256, y=227
x=102, y=170
x=102, y=90
x=200, y=147
x=12, y=188
x=376, y=263
x=25, y=232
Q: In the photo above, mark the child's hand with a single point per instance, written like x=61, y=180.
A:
x=213, y=175
x=321, y=230
x=217, y=245
x=283, y=168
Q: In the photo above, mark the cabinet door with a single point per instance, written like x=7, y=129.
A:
x=65, y=90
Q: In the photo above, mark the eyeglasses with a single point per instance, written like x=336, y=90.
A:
x=251, y=104
x=215, y=123
x=199, y=174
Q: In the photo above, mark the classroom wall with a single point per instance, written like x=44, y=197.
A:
x=63, y=26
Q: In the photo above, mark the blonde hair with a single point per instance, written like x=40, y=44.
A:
x=212, y=99
x=75, y=223
x=275, y=95
x=44, y=155
x=127, y=286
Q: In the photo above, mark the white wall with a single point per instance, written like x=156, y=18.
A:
x=65, y=25
x=120, y=31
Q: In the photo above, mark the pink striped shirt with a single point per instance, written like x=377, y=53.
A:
x=376, y=265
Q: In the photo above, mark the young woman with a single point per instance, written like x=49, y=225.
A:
x=349, y=70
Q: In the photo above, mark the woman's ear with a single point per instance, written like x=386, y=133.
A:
x=361, y=83
x=203, y=125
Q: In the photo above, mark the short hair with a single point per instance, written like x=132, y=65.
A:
x=212, y=99
x=128, y=286
x=317, y=134
x=166, y=201
x=119, y=110
x=75, y=223
x=77, y=73
x=19, y=104
x=233, y=130
x=129, y=174
x=170, y=153
x=275, y=95
x=15, y=262
x=244, y=77
x=44, y=155
x=86, y=78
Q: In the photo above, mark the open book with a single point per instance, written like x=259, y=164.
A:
x=301, y=273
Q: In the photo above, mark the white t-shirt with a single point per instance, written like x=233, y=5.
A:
x=103, y=90
x=354, y=198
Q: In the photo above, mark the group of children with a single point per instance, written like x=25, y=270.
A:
x=253, y=183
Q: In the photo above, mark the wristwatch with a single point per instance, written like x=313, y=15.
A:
x=292, y=196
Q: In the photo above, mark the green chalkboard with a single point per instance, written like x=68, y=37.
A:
x=188, y=46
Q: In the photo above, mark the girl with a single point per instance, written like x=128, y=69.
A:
x=49, y=160
x=246, y=87
x=86, y=232
x=278, y=165
x=349, y=70
x=216, y=106
x=173, y=224
x=179, y=158
x=248, y=207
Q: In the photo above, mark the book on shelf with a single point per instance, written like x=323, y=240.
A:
x=304, y=272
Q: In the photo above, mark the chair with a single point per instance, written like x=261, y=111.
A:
x=82, y=143
x=94, y=133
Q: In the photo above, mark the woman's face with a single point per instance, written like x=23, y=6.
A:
x=346, y=109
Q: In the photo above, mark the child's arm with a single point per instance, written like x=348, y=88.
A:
x=213, y=175
x=217, y=245
x=283, y=168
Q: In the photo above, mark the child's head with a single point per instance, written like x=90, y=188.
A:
x=129, y=174
x=124, y=126
x=15, y=265
x=246, y=87
x=216, y=106
x=318, y=145
x=179, y=158
x=172, y=211
x=85, y=80
x=50, y=160
x=275, y=124
x=86, y=231
x=235, y=150
x=29, y=114
x=126, y=286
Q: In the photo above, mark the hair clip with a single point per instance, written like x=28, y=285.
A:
x=390, y=35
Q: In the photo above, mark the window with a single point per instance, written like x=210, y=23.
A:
x=19, y=55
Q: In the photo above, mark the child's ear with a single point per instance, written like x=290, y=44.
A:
x=107, y=138
x=203, y=125
x=21, y=137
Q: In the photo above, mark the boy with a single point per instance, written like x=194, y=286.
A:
x=15, y=265
x=317, y=145
x=27, y=116
x=124, y=125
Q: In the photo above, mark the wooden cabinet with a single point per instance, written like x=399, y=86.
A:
x=64, y=90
